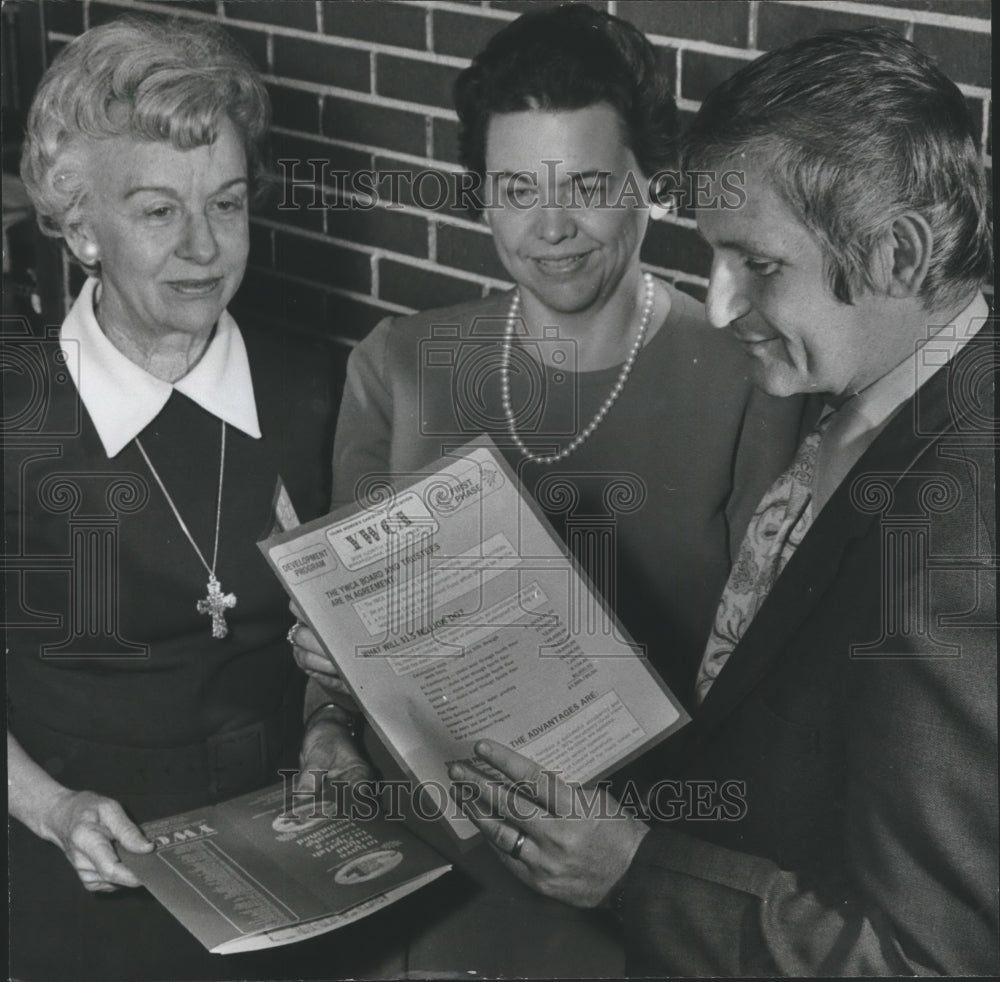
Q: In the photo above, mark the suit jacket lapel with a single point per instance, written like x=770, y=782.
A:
x=914, y=427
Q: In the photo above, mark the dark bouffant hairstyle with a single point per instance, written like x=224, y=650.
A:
x=570, y=57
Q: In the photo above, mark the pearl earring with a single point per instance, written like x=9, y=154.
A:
x=88, y=253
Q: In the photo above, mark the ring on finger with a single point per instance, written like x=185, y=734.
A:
x=290, y=636
x=515, y=850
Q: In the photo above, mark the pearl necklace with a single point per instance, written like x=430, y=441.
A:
x=626, y=369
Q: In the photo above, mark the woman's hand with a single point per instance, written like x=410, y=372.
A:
x=328, y=746
x=568, y=843
x=330, y=766
x=311, y=657
x=314, y=661
x=86, y=827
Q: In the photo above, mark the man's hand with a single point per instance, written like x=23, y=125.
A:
x=85, y=826
x=558, y=850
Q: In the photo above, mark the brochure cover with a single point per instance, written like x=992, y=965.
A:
x=249, y=873
x=453, y=612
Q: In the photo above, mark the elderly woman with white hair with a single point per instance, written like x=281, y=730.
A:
x=150, y=672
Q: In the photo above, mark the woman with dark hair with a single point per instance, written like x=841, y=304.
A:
x=633, y=426
x=148, y=670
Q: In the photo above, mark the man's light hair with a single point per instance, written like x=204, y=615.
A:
x=854, y=129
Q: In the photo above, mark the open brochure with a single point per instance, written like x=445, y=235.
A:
x=453, y=612
x=249, y=874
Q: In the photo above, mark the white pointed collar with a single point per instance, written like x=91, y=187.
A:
x=123, y=399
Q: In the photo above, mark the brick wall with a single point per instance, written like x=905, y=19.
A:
x=365, y=86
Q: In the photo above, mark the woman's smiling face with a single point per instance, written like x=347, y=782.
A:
x=568, y=207
x=170, y=231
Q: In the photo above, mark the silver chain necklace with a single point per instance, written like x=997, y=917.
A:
x=616, y=389
x=217, y=602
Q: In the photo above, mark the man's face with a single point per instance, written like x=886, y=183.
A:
x=568, y=212
x=769, y=288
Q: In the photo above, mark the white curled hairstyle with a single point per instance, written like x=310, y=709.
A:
x=151, y=79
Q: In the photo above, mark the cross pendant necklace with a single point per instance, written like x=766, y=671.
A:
x=216, y=603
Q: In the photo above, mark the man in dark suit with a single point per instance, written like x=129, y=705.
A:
x=832, y=808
